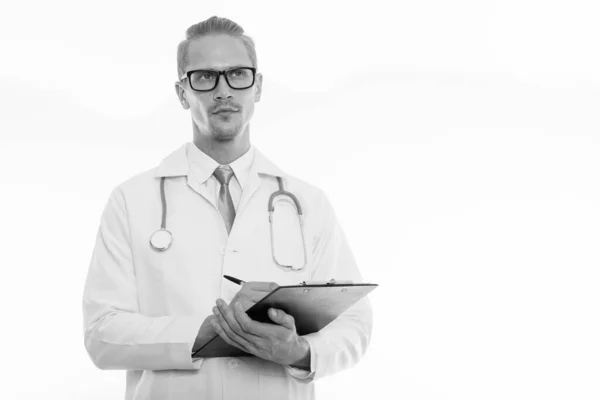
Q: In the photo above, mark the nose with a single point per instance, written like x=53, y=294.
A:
x=223, y=91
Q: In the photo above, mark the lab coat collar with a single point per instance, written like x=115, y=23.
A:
x=262, y=165
x=176, y=164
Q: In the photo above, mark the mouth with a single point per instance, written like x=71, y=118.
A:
x=225, y=115
x=226, y=111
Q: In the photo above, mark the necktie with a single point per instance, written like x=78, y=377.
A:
x=225, y=204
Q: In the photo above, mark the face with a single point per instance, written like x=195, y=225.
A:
x=219, y=53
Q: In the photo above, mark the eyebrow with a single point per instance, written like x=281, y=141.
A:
x=213, y=69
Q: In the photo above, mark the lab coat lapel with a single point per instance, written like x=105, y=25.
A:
x=202, y=190
x=260, y=165
x=252, y=186
x=176, y=164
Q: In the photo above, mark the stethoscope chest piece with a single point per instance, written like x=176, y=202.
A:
x=161, y=240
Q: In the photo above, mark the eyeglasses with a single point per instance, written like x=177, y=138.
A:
x=205, y=80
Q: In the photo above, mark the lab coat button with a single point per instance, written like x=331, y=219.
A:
x=233, y=363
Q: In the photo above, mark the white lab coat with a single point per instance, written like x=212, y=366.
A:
x=142, y=308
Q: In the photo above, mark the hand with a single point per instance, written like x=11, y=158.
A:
x=249, y=294
x=252, y=292
x=278, y=343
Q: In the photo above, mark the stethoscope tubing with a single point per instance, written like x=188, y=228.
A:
x=283, y=192
x=163, y=224
x=161, y=239
x=271, y=207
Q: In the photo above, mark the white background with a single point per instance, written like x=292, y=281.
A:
x=458, y=141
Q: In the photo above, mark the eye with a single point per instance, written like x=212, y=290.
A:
x=203, y=76
x=238, y=72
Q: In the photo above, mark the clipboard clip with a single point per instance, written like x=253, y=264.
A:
x=330, y=282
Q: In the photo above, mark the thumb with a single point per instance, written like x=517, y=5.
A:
x=281, y=318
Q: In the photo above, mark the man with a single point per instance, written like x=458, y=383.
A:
x=148, y=309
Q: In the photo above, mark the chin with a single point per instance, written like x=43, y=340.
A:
x=223, y=135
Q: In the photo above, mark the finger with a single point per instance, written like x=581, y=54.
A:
x=227, y=322
x=255, y=331
x=280, y=317
x=223, y=329
x=261, y=286
x=227, y=314
x=217, y=327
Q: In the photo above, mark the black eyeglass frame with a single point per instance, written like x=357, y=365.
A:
x=219, y=73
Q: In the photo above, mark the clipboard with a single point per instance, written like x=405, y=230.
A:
x=313, y=305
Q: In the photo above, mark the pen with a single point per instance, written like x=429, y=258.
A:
x=234, y=280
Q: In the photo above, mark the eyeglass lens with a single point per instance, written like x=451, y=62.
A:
x=239, y=78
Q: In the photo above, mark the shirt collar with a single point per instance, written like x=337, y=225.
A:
x=204, y=166
x=177, y=164
x=241, y=166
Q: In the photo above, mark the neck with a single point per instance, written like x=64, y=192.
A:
x=224, y=151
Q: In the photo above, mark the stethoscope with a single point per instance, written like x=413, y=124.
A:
x=161, y=239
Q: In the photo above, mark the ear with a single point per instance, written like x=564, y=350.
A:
x=258, y=92
x=181, y=96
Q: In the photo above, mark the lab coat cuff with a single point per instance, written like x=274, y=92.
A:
x=315, y=340
x=302, y=374
x=191, y=326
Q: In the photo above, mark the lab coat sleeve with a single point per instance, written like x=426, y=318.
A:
x=117, y=335
x=341, y=344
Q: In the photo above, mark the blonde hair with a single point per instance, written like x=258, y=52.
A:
x=213, y=25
